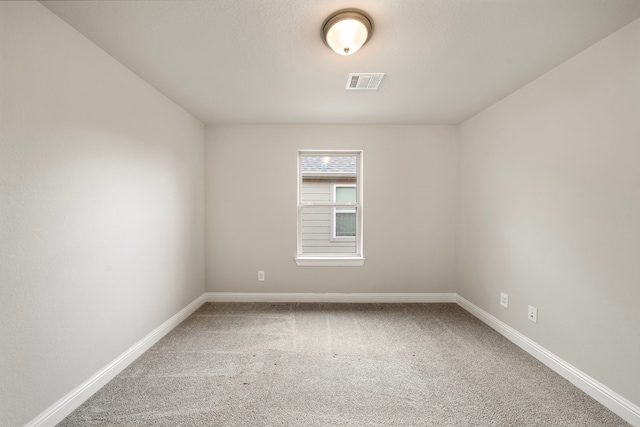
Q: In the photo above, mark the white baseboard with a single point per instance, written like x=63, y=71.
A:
x=612, y=400
x=330, y=297
x=66, y=405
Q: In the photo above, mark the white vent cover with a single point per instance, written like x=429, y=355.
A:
x=364, y=81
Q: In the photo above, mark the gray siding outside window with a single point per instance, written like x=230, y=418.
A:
x=317, y=221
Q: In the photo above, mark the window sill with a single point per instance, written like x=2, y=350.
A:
x=330, y=262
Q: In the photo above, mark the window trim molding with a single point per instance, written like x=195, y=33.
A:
x=332, y=259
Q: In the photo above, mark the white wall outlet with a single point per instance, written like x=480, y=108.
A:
x=260, y=276
x=504, y=300
x=532, y=314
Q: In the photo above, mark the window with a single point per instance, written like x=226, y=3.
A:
x=330, y=208
x=344, y=218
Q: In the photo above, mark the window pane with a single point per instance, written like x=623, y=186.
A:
x=320, y=173
x=345, y=194
x=316, y=236
x=327, y=179
x=346, y=224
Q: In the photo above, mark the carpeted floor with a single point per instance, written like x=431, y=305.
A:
x=263, y=364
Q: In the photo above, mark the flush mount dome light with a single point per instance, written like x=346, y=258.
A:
x=347, y=30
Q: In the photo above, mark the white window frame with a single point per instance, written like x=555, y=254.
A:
x=333, y=259
x=333, y=236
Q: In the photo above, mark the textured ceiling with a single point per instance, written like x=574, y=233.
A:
x=262, y=61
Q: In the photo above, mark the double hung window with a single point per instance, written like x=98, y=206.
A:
x=329, y=208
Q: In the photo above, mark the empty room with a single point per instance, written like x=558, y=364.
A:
x=320, y=213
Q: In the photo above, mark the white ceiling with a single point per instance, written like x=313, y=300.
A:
x=263, y=61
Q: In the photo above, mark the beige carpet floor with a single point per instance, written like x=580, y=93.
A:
x=262, y=364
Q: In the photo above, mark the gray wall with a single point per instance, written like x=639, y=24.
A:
x=409, y=185
x=101, y=207
x=550, y=210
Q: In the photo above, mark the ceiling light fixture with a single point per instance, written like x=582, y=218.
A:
x=347, y=30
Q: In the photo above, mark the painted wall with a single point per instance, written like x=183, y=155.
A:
x=409, y=186
x=101, y=207
x=550, y=210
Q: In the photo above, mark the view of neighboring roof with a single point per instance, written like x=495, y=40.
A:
x=328, y=164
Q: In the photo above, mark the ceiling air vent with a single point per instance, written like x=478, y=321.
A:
x=364, y=81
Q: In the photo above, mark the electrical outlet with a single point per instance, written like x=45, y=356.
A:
x=260, y=276
x=532, y=314
x=504, y=300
